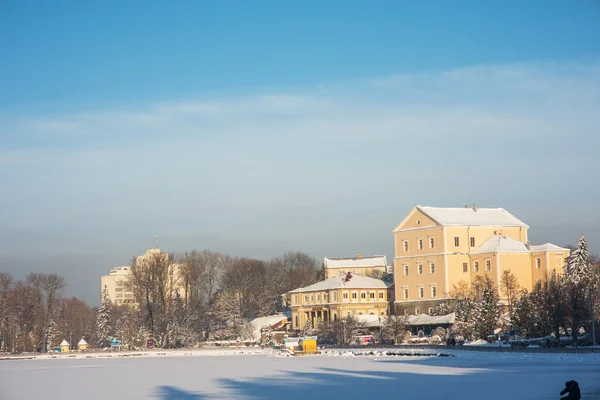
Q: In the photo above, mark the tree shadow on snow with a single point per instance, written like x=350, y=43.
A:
x=173, y=393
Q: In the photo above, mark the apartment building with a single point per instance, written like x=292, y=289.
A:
x=338, y=297
x=372, y=266
x=117, y=282
x=436, y=248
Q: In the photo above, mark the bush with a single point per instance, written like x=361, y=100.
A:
x=491, y=339
x=439, y=331
x=435, y=340
x=421, y=334
x=407, y=335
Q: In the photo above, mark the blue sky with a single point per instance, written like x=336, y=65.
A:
x=257, y=127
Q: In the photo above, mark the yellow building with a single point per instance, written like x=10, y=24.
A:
x=65, y=347
x=338, y=297
x=82, y=345
x=436, y=248
x=118, y=285
x=374, y=266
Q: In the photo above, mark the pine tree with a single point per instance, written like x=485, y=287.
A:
x=487, y=312
x=394, y=329
x=104, y=329
x=577, y=269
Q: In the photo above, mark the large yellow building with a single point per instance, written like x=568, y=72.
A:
x=436, y=248
x=338, y=297
x=118, y=281
x=374, y=266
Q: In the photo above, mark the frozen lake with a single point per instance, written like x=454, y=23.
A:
x=466, y=376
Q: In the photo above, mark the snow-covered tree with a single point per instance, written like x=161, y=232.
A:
x=308, y=329
x=104, y=327
x=487, y=311
x=577, y=269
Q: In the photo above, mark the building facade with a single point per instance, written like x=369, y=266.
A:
x=437, y=248
x=338, y=297
x=118, y=281
x=373, y=266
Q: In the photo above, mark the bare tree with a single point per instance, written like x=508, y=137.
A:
x=48, y=289
x=509, y=285
x=394, y=329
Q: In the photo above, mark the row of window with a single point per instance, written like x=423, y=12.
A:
x=417, y=311
x=421, y=291
x=431, y=240
x=308, y=299
x=420, y=269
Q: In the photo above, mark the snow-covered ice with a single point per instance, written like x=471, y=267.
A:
x=334, y=374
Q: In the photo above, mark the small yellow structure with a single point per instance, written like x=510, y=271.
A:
x=82, y=345
x=309, y=345
x=65, y=347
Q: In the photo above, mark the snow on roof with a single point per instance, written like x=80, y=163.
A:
x=501, y=244
x=266, y=322
x=371, y=261
x=548, y=247
x=370, y=321
x=424, y=319
x=64, y=343
x=81, y=342
x=338, y=282
x=468, y=216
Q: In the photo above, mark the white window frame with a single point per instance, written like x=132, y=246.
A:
x=430, y=310
x=421, y=291
x=405, y=245
x=475, y=266
x=488, y=265
x=538, y=263
x=433, y=289
x=466, y=266
x=405, y=292
x=431, y=242
x=420, y=269
x=417, y=311
x=420, y=243
x=431, y=267
x=456, y=241
x=406, y=269
x=472, y=241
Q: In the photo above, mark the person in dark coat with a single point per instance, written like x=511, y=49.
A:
x=572, y=388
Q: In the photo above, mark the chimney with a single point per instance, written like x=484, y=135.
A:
x=466, y=206
x=528, y=245
x=475, y=207
x=359, y=256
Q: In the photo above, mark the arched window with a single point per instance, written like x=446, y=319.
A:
x=335, y=316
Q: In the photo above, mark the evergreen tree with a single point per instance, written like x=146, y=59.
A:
x=394, y=329
x=578, y=281
x=104, y=329
x=577, y=269
x=487, y=312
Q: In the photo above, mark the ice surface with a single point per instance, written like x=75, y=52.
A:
x=336, y=374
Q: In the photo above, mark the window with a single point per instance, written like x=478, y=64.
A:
x=406, y=311
x=431, y=242
x=416, y=311
x=372, y=296
x=488, y=265
x=354, y=295
x=421, y=292
x=432, y=268
x=476, y=266
x=363, y=295
x=430, y=310
x=465, y=267
x=296, y=320
x=381, y=295
x=456, y=241
x=406, y=270
x=406, y=293
x=433, y=291
x=420, y=243
x=318, y=297
x=538, y=264
x=334, y=296
x=345, y=295
x=420, y=269
x=405, y=246
x=306, y=299
x=312, y=298
x=295, y=301
x=472, y=242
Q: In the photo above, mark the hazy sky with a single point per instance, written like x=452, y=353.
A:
x=252, y=128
